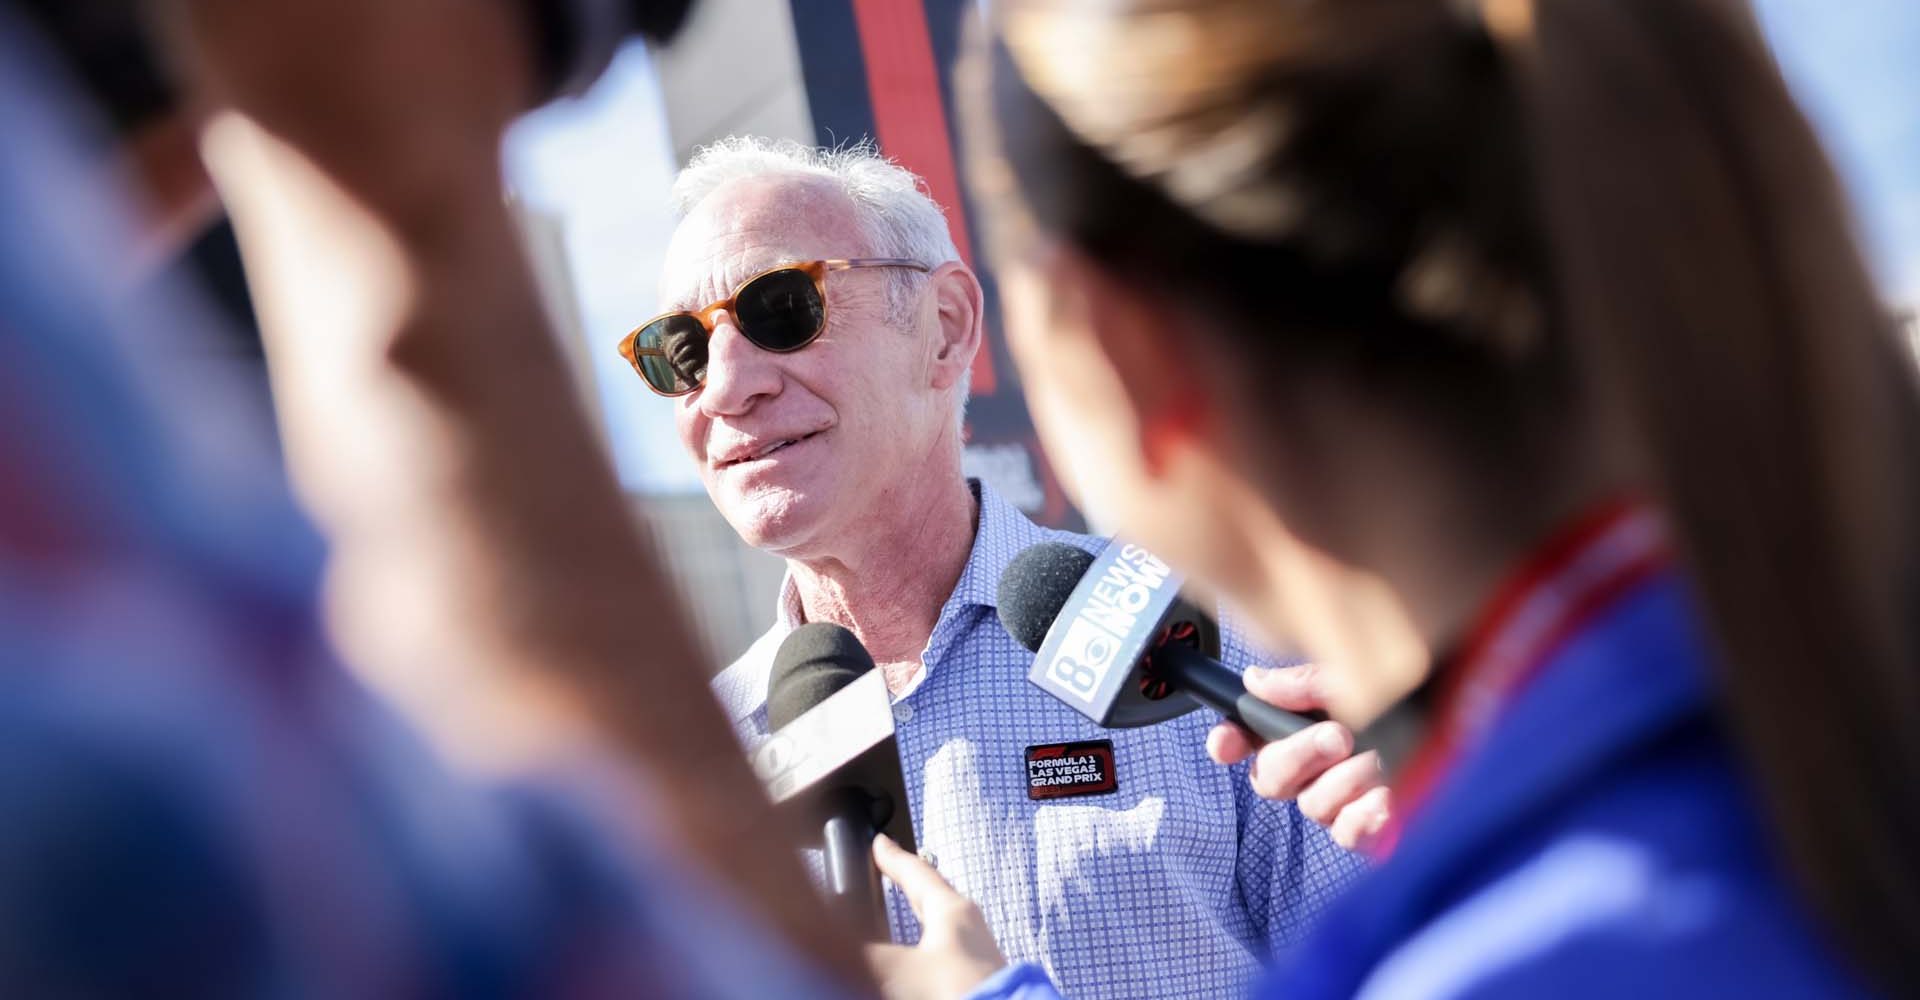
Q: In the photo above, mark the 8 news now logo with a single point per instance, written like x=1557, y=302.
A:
x=1106, y=622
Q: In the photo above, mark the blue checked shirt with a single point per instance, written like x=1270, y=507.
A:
x=1181, y=883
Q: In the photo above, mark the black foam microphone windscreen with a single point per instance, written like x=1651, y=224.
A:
x=1035, y=586
x=822, y=723
x=813, y=662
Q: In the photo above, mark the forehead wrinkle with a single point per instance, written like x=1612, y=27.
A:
x=750, y=225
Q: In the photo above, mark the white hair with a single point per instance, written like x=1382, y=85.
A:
x=895, y=212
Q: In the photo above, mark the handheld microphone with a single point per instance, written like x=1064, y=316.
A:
x=833, y=757
x=1116, y=642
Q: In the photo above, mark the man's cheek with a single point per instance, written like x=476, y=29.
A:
x=692, y=432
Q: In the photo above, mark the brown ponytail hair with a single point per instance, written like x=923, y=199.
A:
x=1491, y=209
x=1710, y=278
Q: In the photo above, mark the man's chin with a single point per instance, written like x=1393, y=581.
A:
x=773, y=521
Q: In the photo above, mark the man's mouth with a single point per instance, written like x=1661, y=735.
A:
x=766, y=450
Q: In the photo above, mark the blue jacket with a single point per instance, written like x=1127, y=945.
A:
x=1601, y=842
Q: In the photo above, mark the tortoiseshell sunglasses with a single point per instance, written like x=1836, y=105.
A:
x=781, y=309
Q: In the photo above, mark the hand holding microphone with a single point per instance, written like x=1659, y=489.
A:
x=1317, y=768
x=1117, y=643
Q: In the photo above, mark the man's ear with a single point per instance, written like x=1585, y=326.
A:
x=959, y=307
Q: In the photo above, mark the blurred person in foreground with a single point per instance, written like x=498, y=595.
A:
x=1532, y=339
x=820, y=332
x=198, y=800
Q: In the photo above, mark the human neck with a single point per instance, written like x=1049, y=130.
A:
x=1392, y=565
x=888, y=584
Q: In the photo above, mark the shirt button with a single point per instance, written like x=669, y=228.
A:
x=902, y=713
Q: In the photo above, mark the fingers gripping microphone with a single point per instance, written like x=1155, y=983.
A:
x=832, y=756
x=1117, y=643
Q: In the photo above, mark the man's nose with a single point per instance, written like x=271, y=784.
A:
x=739, y=374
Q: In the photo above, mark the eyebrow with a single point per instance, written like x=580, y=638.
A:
x=680, y=303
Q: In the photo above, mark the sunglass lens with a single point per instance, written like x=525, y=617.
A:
x=780, y=311
x=673, y=354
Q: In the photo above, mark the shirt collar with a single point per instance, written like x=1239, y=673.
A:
x=1003, y=533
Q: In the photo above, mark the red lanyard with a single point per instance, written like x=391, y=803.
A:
x=1555, y=594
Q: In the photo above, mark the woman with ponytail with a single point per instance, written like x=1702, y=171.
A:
x=1514, y=360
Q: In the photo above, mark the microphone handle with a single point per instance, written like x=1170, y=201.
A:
x=1218, y=687
x=853, y=883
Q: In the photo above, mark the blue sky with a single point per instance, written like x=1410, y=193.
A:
x=1855, y=66
x=603, y=164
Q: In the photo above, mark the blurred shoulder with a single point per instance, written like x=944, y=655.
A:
x=123, y=843
x=1596, y=915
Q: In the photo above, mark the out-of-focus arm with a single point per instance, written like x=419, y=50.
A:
x=1026, y=981
x=485, y=571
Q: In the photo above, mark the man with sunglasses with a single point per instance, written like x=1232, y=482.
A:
x=819, y=334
